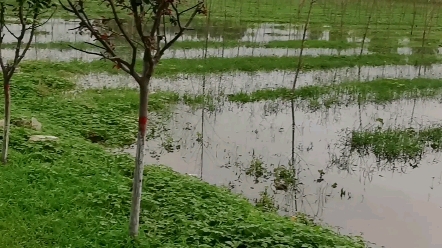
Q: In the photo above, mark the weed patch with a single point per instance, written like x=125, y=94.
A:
x=379, y=91
x=392, y=144
x=174, y=67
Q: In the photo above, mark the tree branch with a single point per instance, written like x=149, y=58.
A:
x=126, y=37
x=86, y=23
x=160, y=53
x=95, y=45
x=33, y=28
x=147, y=57
x=2, y=36
x=101, y=55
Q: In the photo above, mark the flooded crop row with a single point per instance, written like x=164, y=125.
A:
x=235, y=82
x=57, y=30
x=72, y=54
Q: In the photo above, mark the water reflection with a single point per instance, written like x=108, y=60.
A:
x=57, y=30
x=72, y=54
x=419, y=50
x=380, y=202
x=235, y=82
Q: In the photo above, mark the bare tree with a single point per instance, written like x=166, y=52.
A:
x=28, y=13
x=148, y=18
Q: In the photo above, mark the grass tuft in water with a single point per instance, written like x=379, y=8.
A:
x=379, y=91
x=392, y=144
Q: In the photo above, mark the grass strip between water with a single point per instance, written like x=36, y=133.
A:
x=379, y=91
x=71, y=191
x=396, y=144
x=174, y=67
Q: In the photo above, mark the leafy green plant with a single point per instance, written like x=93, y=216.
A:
x=28, y=13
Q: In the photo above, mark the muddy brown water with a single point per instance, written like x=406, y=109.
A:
x=392, y=207
x=235, y=82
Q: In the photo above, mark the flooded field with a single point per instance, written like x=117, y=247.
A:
x=55, y=30
x=365, y=167
x=71, y=54
x=379, y=199
x=235, y=82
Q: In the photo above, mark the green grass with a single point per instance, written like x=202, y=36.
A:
x=173, y=67
x=392, y=144
x=389, y=19
x=87, y=116
x=72, y=193
x=271, y=44
x=379, y=91
x=395, y=15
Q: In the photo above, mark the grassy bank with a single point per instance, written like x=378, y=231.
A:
x=87, y=116
x=173, y=67
x=73, y=193
x=379, y=91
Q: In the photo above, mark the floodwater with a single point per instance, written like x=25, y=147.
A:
x=72, y=54
x=69, y=54
x=418, y=50
x=234, y=82
x=57, y=30
x=393, y=206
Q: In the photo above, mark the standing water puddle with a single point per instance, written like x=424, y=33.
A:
x=395, y=209
x=71, y=54
x=57, y=30
x=234, y=82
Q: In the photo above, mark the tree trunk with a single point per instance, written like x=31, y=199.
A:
x=7, y=123
x=139, y=161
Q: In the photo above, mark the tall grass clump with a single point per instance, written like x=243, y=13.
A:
x=393, y=144
x=380, y=91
